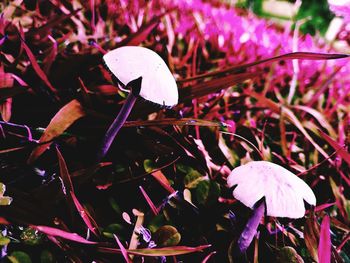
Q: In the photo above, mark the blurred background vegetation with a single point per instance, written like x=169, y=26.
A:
x=315, y=14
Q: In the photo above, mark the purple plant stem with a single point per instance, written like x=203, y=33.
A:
x=119, y=121
x=250, y=229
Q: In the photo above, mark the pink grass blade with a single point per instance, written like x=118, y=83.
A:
x=341, y=151
x=93, y=15
x=19, y=80
x=85, y=93
x=322, y=89
x=325, y=245
x=312, y=235
x=324, y=206
x=293, y=119
x=56, y=20
x=213, y=85
x=149, y=201
x=64, y=247
x=342, y=244
x=85, y=215
x=2, y=40
x=37, y=68
x=319, y=117
x=51, y=54
x=66, y=178
x=68, y=185
x=123, y=250
x=51, y=231
x=340, y=225
x=288, y=114
x=295, y=55
x=138, y=37
x=282, y=126
x=174, y=121
x=340, y=199
x=207, y=258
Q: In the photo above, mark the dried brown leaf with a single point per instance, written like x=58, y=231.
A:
x=64, y=118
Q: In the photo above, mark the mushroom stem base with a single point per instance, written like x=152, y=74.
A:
x=251, y=227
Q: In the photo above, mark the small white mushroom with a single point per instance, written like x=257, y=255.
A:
x=282, y=192
x=131, y=62
x=145, y=74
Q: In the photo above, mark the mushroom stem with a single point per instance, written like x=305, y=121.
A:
x=135, y=87
x=251, y=227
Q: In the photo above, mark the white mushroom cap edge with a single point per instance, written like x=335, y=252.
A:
x=131, y=62
x=284, y=192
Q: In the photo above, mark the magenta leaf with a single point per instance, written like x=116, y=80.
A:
x=36, y=67
x=149, y=201
x=87, y=218
x=341, y=150
x=123, y=250
x=143, y=32
x=68, y=189
x=207, y=258
x=51, y=231
x=325, y=245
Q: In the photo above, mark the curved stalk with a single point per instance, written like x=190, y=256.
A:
x=135, y=87
x=250, y=229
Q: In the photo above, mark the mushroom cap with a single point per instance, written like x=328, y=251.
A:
x=131, y=62
x=284, y=192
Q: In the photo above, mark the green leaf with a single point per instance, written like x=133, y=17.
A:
x=2, y=189
x=207, y=192
x=31, y=236
x=192, y=176
x=192, y=179
x=112, y=229
x=167, y=236
x=4, y=241
x=19, y=257
x=317, y=14
x=115, y=206
x=119, y=168
x=156, y=222
x=5, y=200
x=47, y=257
x=183, y=168
x=288, y=255
x=149, y=165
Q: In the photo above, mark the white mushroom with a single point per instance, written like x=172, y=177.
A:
x=131, y=62
x=145, y=74
x=282, y=192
